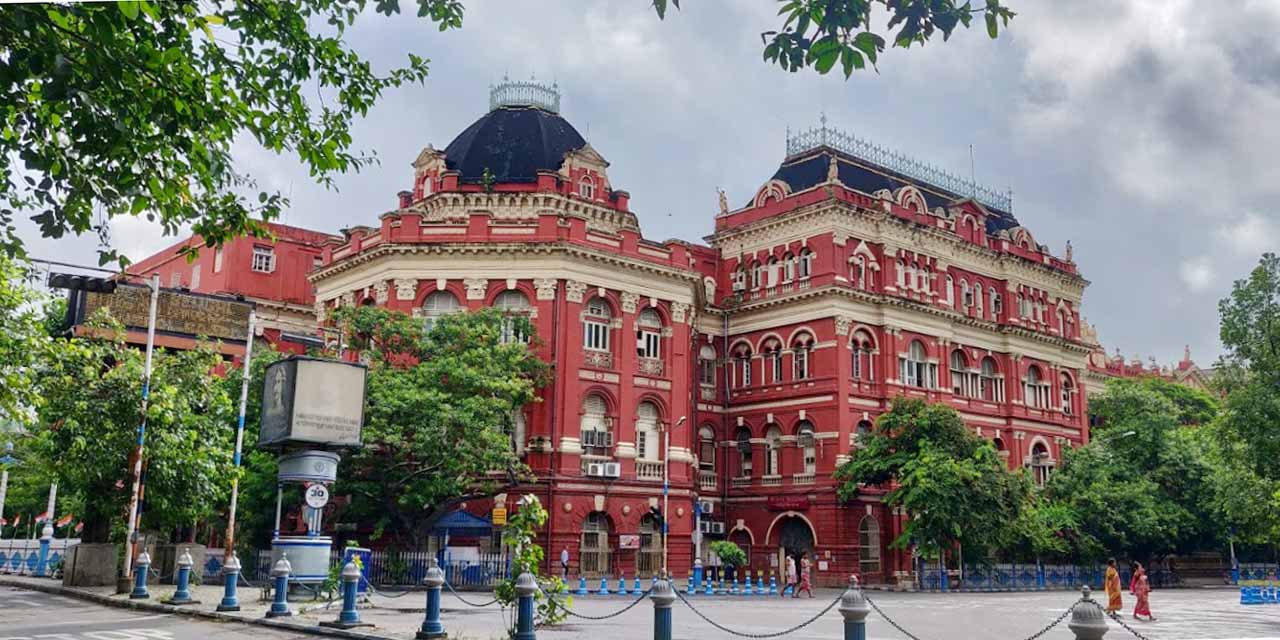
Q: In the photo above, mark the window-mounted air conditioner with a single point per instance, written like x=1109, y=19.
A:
x=706, y=507
x=595, y=469
x=717, y=527
x=612, y=469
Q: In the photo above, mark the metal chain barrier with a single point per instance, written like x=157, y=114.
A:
x=379, y=593
x=1128, y=628
x=763, y=635
x=891, y=621
x=464, y=600
x=1053, y=624
x=556, y=603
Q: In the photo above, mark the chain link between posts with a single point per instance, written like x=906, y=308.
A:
x=464, y=600
x=893, y=623
x=583, y=616
x=761, y=635
x=1055, y=623
x=1128, y=628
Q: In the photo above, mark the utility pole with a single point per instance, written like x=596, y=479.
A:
x=244, y=400
x=132, y=528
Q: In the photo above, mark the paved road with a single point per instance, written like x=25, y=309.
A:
x=32, y=615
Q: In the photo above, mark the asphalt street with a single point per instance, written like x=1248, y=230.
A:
x=32, y=615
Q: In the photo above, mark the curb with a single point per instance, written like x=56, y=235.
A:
x=136, y=605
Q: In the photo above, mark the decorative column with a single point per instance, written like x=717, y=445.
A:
x=623, y=343
x=844, y=386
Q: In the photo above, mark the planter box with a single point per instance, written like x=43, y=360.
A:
x=90, y=565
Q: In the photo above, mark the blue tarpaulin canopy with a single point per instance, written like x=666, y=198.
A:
x=461, y=524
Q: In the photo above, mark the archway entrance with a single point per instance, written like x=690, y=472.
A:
x=795, y=540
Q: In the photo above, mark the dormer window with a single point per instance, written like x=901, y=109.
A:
x=587, y=188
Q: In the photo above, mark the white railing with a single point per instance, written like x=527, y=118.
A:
x=511, y=93
x=803, y=478
x=739, y=483
x=706, y=480
x=771, y=481
x=647, y=470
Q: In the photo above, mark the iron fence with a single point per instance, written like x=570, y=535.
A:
x=395, y=568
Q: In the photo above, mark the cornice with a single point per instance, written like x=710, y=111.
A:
x=518, y=205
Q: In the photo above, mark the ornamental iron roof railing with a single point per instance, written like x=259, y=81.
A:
x=824, y=136
x=515, y=93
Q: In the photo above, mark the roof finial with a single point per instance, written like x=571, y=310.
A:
x=823, y=119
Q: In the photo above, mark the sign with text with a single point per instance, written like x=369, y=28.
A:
x=628, y=541
x=177, y=312
x=314, y=402
x=788, y=503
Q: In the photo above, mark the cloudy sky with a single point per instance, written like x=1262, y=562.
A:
x=1141, y=130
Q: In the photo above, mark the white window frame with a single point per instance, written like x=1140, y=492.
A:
x=217, y=260
x=432, y=310
x=918, y=372
x=649, y=334
x=806, y=263
x=587, y=188
x=263, y=259
x=597, y=323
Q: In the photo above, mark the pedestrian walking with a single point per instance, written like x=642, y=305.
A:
x=1112, y=585
x=1143, y=606
x=805, y=584
x=1138, y=572
x=564, y=563
x=790, y=577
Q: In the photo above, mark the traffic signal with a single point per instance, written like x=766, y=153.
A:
x=81, y=283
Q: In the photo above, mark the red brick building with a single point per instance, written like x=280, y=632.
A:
x=852, y=276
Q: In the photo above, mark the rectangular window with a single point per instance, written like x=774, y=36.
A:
x=317, y=262
x=648, y=344
x=707, y=372
x=175, y=279
x=596, y=336
x=746, y=372
x=195, y=276
x=264, y=260
x=707, y=454
x=217, y=260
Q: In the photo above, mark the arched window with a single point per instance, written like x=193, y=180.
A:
x=512, y=303
x=649, y=555
x=998, y=443
x=594, y=550
x=858, y=271
x=806, y=263
x=966, y=295
x=647, y=432
x=788, y=267
x=649, y=334
x=997, y=307
x=437, y=304
x=992, y=381
x=1036, y=390
x=802, y=354
x=916, y=370
x=902, y=274
x=860, y=346
x=1024, y=310
x=596, y=324
x=1040, y=463
x=1068, y=394
x=743, y=438
x=596, y=437
x=773, y=450
x=742, y=355
x=869, y=545
x=707, y=365
x=977, y=297
x=911, y=276
x=707, y=448
x=807, y=442
x=963, y=382
x=950, y=293
x=757, y=274
x=739, y=278
x=519, y=432
x=587, y=188
x=772, y=352
x=1062, y=322
x=926, y=280
x=862, y=431
x=772, y=272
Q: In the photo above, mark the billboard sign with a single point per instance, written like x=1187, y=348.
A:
x=313, y=402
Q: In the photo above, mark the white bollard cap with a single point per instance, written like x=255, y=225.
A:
x=185, y=560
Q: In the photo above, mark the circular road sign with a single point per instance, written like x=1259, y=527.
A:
x=317, y=496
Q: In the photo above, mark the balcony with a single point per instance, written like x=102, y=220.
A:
x=803, y=478
x=648, y=470
x=706, y=480
x=597, y=359
x=649, y=366
x=743, y=482
x=771, y=481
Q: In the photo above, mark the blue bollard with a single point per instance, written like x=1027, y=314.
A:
x=854, y=609
x=663, y=596
x=182, y=594
x=432, y=629
x=697, y=571
x=733, y=591
x=526, y=586
x=140, y=569
x=348, y=617
x=720, y=587
x=773, y=584
x=710, y=590
x=231, y=573
x=280, y=576
x=46, y=536
x=637, y=590
x=622, y=585
x=747, y=589
x=582, y=586
x=690, y=589
x=942, y=579
x=1235, y=574
x=1040, y=582
x=604, y=586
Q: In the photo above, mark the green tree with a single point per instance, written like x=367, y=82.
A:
x=957, y=489
x=23, y=312
x=730, y=554
x=87, y=429
x=518, y=537
x=441, y=405
x=824, y=33
x=1249, y=371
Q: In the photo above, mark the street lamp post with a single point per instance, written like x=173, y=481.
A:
x=244, y=399
x=666, y=490
x=132, y=526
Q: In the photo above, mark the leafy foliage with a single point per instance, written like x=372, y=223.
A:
x=952, y=482
x=730, y=554
x=87, y=429
x=26, y=336
x=440, y=408
x=553, y=601
x=1249, y=372
x=131, y=108
x=823, y=33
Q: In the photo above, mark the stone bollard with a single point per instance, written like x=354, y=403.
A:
x=182, y=594
x=854, y=608
x=582, y=586
x=1088, y=620
x=231, y=575
x=663, y=596
x=432, y=629
x=348, y=617
x=46, y=538
x=280, y=577
x=526, y=586
x=140, y=568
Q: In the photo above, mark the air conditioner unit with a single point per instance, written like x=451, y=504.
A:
x=717, y=527
x=612, y=469
x=704, y=526
x=595, y=469
x=705, y=507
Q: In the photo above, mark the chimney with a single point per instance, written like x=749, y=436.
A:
x=406, y=198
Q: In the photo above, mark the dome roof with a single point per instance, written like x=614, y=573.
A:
x=514, y=142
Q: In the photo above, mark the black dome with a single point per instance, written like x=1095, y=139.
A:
x=513, y=143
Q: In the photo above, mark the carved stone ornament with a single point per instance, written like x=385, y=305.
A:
x=724, y=202
x=320, y=312
x=678, y=311
x=349, y=299
x=574, y=290
x=709, y=284
x=405, y=288
x=833, y=170
x=545, y=288
x=842, y=325
x=380, y=290
x=629, y=301
x=476, y=288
